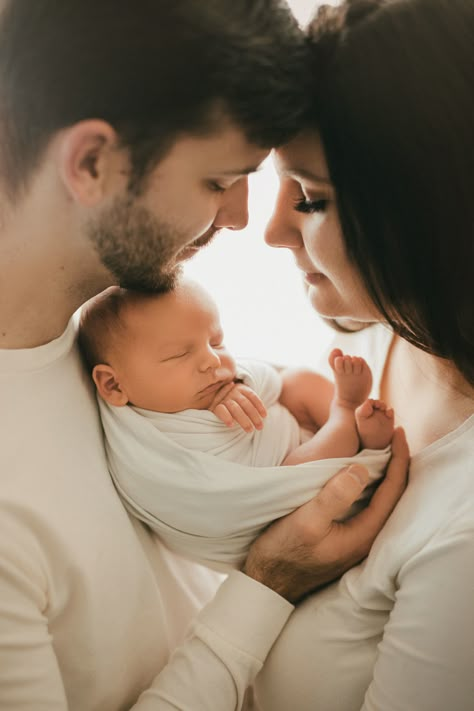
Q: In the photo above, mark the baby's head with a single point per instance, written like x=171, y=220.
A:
x=161, y=352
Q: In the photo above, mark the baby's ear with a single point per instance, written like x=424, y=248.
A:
x=108, y=386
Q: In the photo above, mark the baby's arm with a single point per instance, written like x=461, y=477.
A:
x=308, y=396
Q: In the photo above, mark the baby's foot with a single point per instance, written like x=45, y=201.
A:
x=374, y=424
x=353, y=379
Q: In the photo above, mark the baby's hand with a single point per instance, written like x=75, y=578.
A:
x=239, y=404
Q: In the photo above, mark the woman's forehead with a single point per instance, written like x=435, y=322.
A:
x=302, y=157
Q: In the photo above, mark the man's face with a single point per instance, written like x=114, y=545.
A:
x=200, y=187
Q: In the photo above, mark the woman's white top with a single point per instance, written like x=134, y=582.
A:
x=396, y=633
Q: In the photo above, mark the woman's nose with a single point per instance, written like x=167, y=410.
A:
x=282, y=229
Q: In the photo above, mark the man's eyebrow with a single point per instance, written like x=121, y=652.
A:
x=307, y=175
x=240, y=171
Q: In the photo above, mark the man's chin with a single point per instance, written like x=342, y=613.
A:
x=162, y=282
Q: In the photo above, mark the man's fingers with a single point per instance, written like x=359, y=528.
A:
x=340, y=492
x=366, y=525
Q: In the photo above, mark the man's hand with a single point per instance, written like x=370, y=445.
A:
x=237, y=403
x=308, y=548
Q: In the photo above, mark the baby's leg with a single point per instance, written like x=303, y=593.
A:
x=339, y=436
x=375, y=424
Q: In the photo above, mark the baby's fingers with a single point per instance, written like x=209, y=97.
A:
x=255, y=400
x=240, y=415
x=222, y=412
x=221, y=395
x=251, y=416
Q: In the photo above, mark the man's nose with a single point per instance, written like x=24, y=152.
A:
x=233, y=212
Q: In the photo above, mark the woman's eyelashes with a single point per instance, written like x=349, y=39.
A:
x=311, y=206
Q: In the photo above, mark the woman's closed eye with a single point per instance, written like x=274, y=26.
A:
x=311, y=206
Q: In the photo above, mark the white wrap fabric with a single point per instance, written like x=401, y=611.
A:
x=202, y=504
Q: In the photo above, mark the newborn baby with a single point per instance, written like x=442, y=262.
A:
x=170, y=394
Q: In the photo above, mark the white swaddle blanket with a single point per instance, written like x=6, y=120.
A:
x=208, y=490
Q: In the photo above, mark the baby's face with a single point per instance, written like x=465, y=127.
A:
x=173, y=357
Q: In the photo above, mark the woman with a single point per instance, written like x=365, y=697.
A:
x=376, y=206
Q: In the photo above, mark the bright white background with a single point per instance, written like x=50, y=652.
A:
x=258, y=289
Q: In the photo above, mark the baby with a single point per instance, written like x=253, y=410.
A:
x=171, y=393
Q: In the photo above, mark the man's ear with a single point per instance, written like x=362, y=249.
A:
x=108, y=386
x=88, y=159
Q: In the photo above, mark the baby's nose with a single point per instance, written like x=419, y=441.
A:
x=212, y=359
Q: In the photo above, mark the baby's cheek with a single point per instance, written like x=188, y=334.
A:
x=228, y=362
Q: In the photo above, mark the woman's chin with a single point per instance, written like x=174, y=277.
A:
x=322, y=302
x=328, y=304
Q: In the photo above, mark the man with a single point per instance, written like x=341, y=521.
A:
x=127, y=133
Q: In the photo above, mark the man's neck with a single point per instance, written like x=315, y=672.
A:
x=42, y=282
x=36, y=305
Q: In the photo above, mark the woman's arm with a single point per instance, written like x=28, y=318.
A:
x=426, y=657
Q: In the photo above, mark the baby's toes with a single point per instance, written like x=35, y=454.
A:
x=365, y=410
x=348, y=365
x=358, y=365
x=335, y=353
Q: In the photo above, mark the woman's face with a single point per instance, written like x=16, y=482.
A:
x=306, y=221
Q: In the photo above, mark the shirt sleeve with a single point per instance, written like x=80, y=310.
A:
x=426, y=657
x=224, y=651
x=29, y=671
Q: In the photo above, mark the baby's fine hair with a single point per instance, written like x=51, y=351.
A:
x=101, y=324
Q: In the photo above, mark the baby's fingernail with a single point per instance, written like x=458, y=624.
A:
x=359, y=473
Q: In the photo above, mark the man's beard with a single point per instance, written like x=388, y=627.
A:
x=137, y=248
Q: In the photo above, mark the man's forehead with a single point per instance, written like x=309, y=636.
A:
x=226, y=151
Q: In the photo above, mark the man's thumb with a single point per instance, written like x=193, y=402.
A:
x=337, y=496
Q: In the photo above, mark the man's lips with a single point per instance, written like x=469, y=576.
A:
x=191, y=249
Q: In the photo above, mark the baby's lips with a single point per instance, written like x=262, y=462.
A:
x=224, y=374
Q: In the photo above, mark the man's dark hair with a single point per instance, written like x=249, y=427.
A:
x=151, y=68
x=393, y=99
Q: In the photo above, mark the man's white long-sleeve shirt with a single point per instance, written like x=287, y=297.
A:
x=91, y=603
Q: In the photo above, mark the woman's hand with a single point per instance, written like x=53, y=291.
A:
x=308, y=548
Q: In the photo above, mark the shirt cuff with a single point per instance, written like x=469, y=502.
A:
x=244, y=615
